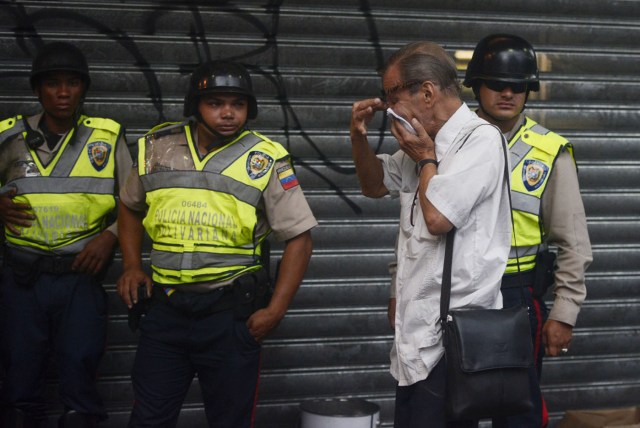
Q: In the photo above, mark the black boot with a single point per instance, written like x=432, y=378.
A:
x=10, y=417
x=73, y=419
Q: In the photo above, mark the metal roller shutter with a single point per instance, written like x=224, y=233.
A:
x=310, y=62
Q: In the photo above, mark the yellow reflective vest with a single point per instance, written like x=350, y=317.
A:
x=533, y=150
x=202, y=219
x=72, y=195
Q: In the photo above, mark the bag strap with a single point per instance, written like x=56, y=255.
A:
x=445, y=296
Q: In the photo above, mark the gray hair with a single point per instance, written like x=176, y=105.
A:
x=426, y=61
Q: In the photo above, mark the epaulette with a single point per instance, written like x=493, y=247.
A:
x=8, y=128
x=102, y=123
x=9, y=123
x=544, y=139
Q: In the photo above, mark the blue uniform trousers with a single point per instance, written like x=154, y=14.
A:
x=65, y=314
x=537, y=316
x=175, y=346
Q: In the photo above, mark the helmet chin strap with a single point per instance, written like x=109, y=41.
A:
x=221, y=139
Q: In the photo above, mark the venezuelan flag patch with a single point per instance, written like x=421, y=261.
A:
x=287, y=177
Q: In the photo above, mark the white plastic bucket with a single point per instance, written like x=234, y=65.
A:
x=339, y=413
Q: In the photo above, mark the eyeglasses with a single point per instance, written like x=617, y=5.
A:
x=409, y=83
x=413, y=206
x=499, y=86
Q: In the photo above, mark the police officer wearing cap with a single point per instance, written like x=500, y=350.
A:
x=547, y=207
x=209, y=191
x=59, y=172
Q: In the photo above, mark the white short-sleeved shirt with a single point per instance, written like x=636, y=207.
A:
x=470, y=191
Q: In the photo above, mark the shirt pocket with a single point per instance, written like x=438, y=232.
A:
x=420, y=322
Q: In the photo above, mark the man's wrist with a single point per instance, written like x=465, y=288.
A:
x=423, y=162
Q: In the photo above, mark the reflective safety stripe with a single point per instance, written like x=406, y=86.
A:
x=198, y=260
x=77, y=246
x=72, y=152
x=518, y=150
x=232, y=153
x=539, y=129
x=526, y=251
x=525, y=203
x=218, y=274
x=203, y=180
x=92, y=185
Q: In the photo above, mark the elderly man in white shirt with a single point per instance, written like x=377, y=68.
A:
x=449, y=173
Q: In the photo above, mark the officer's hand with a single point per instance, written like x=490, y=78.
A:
x=556, y=336
x=96, y=254
x=391, y=312
x=417, y=147
x=362, y=113
x=261, y=322
x=14, y=214
x=128, y=283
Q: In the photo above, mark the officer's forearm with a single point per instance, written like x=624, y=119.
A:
x=130, y=231
x=295, y=260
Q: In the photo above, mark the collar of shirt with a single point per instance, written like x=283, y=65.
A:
x=44, y=151
x=450, y=130
x=521, y=121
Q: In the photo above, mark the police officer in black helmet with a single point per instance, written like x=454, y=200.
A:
x=209, y=191
x=59, y=172
x=547, y=205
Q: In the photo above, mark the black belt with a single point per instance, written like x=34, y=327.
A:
x=245, y=295
x=42, y=263
x=515, y=280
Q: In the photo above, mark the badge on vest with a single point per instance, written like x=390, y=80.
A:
x=98, y=152
x=258, y=164
x=534, y=173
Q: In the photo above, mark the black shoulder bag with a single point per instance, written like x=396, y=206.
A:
x=488, y=353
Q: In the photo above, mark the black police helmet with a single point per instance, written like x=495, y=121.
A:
x=59, y=56
x=506, y=58
x=219, y=77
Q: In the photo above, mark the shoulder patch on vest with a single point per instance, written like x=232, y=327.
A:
x=534, y=173
x=98, y=152
x=258, y=164
x=287, y=177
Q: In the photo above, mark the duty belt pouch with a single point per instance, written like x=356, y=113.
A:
x=140, y=309
x=251, y=292
x=544, y=273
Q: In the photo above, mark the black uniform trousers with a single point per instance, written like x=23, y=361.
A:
x=61, y=313
x=422, y=404
x=537, y=316
x=176, y=345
